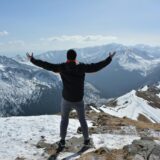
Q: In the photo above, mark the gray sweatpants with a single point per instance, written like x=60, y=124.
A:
x=66, y=107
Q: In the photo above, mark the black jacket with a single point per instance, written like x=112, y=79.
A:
x=72, y=75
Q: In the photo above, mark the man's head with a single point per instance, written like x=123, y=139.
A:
x=71, y=54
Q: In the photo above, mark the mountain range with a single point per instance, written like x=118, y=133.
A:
x=29, y=90
x=131, y=68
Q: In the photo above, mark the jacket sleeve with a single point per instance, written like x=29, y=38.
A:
x=46, y=65
x=94, y=67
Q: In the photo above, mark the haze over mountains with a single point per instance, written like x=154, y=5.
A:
x=28, y=90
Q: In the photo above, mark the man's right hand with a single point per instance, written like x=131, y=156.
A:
x=112, y=54
x=29, y=56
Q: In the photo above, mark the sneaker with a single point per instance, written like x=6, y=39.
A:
x=87, y=143
x=61, y=144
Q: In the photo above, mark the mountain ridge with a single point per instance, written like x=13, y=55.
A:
x=20, y=79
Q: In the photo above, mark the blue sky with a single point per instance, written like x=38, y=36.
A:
x=42, y=25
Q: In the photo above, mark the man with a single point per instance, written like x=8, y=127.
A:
x=73, y=75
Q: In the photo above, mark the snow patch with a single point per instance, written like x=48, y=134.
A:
x=144, y=89
x=131, y=106
x=2, y=67
x=113, y=141
x=158, y=86
x=130, y=61
x=23, y=133
x=93, y=108
x=158, y=95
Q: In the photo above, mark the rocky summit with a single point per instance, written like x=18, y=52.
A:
x=146, y=145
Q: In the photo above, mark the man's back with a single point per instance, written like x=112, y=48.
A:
x=73, y=75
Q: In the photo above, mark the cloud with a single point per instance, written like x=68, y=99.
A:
x=17, y=42
x=13, y=46
x=80, y=38
x=56, y=43
x=4, y=33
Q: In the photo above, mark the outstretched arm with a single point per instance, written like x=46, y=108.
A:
x=94, y=67
x=43, y=64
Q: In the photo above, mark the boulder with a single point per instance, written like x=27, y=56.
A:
x=143, y=149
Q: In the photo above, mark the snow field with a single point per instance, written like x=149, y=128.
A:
x=19, y=135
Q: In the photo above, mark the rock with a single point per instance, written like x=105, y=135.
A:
x=93, y=130
x=103, y=153
x=43, y=144
x=155, y=154
x=79, y=130
x=42, y=137
x=147, y=138
x=20, y=158
x=102, y=150
x=138, y=157
x=143, y=149
x=73, y=114
x=72, y=145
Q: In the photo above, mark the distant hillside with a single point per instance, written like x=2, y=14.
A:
x=141, y=104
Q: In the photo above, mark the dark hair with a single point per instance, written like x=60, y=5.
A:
x=71, y=54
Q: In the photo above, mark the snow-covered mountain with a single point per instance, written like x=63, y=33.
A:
x=132, y=67
x=140, y=58
x=29, y=90
x=144, y=102
x=23, y=89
